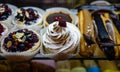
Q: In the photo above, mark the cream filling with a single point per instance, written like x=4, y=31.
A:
x=61, y=38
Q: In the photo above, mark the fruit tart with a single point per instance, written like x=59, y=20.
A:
x=7, y=12
x=3, y=30
x=28, y=17
x=59, y=13
x=22, y=44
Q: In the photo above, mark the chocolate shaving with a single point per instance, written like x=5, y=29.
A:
x=109, y=44
x=89, y=40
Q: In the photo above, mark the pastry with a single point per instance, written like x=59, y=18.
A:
x=59, y=13
x=20, y=67
x=107, y=66
x=41, y=67
x=3, y=30
x=22, y=42
x=106, y=38
x=4, y=66
x=51, y=63
x=91, y=66
x=116, y=25
x=76, y=66
x=59, y=38
x=88, y=45
x=7, y=12
x=63, y=66
x=28, y=17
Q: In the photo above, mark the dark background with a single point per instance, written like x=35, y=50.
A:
x=52, y=3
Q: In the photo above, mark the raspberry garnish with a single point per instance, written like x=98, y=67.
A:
x=62, y=22
x=1, y=29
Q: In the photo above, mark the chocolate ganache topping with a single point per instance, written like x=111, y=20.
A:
x=62, y=15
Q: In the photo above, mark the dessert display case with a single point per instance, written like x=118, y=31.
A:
x=97, y=22
x=84, y=33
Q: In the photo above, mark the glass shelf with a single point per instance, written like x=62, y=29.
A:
x=73, y=58
x=39, y=3
x=46, y=58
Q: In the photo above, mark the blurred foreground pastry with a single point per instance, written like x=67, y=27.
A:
x=77, y=66
x=20, y=67
x=4, y=66
x=41, y=66
x=63, y=66
x=91, y=66
x=107, y=66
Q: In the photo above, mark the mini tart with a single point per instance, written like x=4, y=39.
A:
x=7, y=12
x=3, y=30
x=53, y=13
x=28, y=17
x=22, y=40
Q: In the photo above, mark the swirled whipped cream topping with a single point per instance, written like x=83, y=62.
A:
x=60, y=38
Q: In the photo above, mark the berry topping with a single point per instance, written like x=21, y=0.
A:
x=16, y=43
x=8, y=9
x=14, y=48
x=62, y=23
x=1, y=29
x=27, y=33
x=30, y=45
x=27, y=15
x=4, y=6
x=5, y=11
x=20, y=40
x=58, y=18
x=30, y=39
x=21, y=45
x=35, y=38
